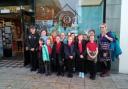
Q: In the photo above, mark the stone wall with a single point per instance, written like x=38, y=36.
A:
x=113, y=14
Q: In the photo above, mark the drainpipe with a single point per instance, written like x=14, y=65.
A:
x=104, y=11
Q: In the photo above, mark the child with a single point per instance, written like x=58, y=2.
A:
x=85, y=37
x=58, y=56
x=70, y=55
x=49, y=47
x=40, y=61
x=92, y=51
x=46, y=59
x=80, y=60
x=43, y=35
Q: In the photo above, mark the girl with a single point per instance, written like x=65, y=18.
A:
x=80, y=60
x=44, y=35
x=70, y=55
x=49, y=47
x=92, y=51
x=46, y=58
x=58, y=56
x=40, y=60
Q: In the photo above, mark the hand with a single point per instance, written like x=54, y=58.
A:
x=63, y=59
x=32, y=49
x=71, y=57
x=106, y=36
x=93, y=57
x=81, y=56
x=26, y=48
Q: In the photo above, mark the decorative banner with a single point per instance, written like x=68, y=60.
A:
x=65, y=18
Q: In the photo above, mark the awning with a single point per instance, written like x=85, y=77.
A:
x=89, y=2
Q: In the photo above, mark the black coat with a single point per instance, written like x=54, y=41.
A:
x=83, y=48
x=69, y=51
x=54, y=54
x=32, y=41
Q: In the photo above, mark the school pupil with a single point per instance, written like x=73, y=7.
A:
x=69, y=51
x=49, y=47
x=92, y=52
x=40, y=59
x=58, y=56
x=46, y=58
x=80, y=58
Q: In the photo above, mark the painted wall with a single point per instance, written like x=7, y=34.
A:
x=91, y=17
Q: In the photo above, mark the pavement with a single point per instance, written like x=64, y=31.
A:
x=13, y=75
x=22, y=78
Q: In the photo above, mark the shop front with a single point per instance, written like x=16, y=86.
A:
x=14, y=19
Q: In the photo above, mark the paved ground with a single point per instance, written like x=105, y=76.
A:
x=14, y=76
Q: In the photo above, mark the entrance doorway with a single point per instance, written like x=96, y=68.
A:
x=12, y=36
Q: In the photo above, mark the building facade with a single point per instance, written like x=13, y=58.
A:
x=84, y=15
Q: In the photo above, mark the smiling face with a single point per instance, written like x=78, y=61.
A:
x=32, y=30
x=43, y=33
x=40, y=42
x=62, y=35
x=73, y=35
x=91, y=38
x=80, y=37
x=70, y=40
x=48, y=41
x=57, y=39
x=103, y=28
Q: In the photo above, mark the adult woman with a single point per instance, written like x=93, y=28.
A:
x=32, y=45
x=105, y=39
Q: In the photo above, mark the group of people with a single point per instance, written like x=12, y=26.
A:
x=70, y=54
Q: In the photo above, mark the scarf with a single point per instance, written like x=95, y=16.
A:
x=49, y=49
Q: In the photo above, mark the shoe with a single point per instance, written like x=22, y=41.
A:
x=33, y=69
x=39, y=72
x=58, y=74
x=102, y=74
x=90, y=77
x=70, y=75
x=47, y=74
x=82, y=75
x=108, y=73
x=93, y=78
x=62, y=74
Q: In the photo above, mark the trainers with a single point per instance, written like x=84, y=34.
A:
x=82, y=75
